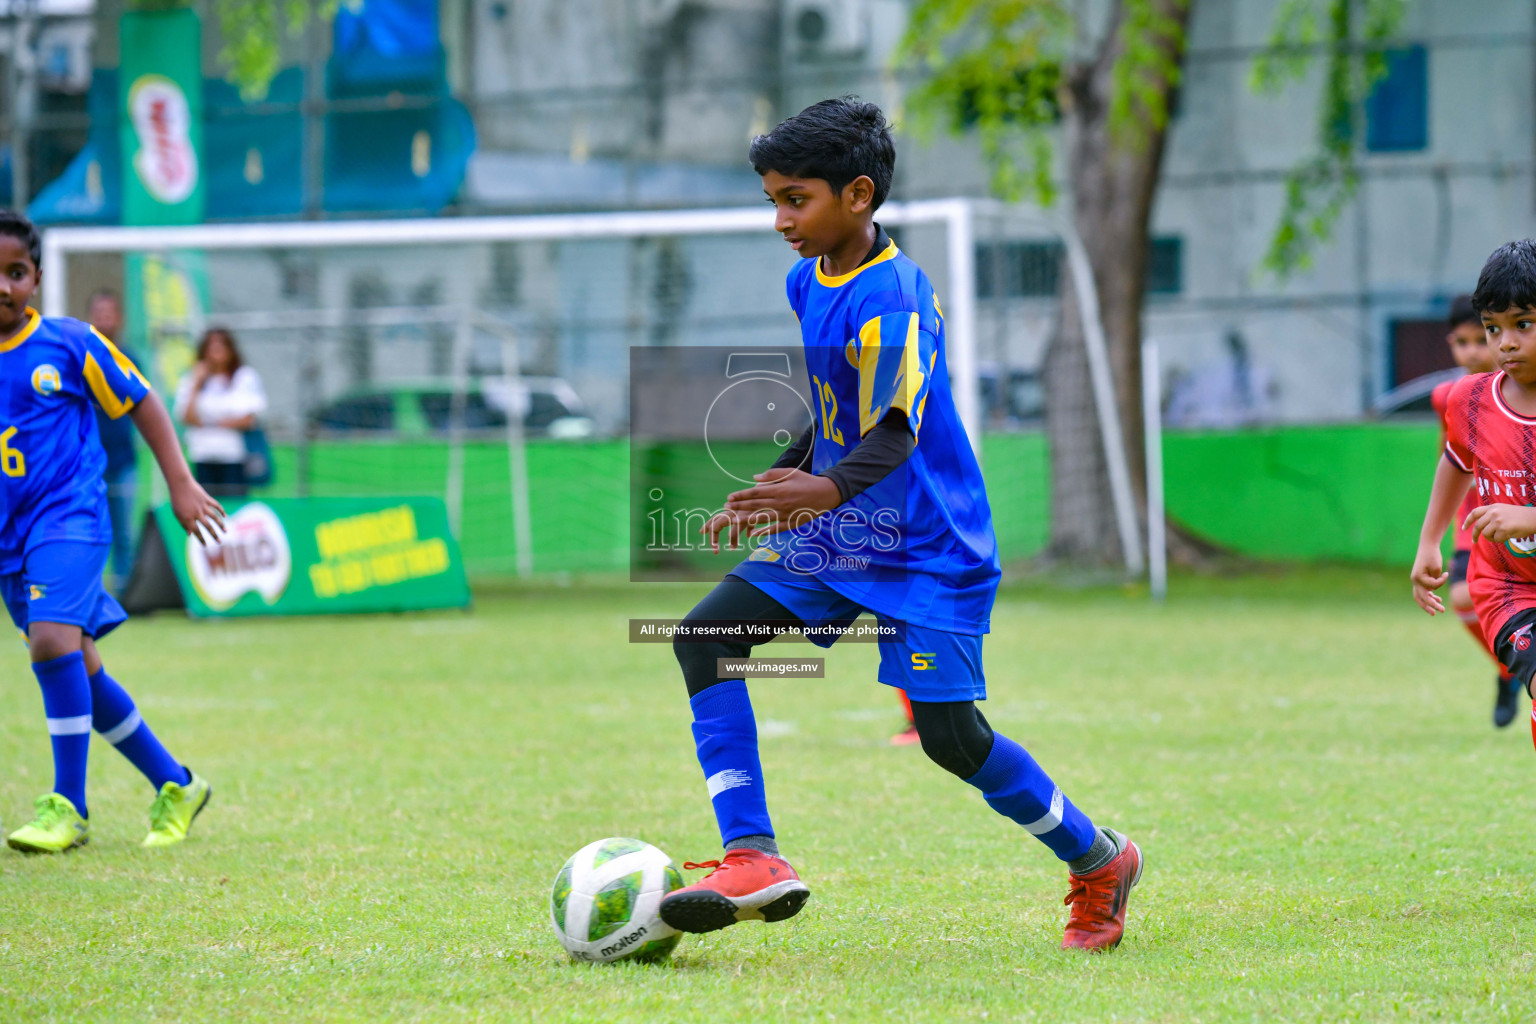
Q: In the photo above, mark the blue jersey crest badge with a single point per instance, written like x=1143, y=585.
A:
x=46, y=380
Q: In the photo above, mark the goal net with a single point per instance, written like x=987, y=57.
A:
x=485, y=360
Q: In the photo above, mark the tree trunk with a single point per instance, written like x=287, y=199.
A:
x=1113, y=176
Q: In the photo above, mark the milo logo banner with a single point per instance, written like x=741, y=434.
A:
x=306, y=556
x=160, y=105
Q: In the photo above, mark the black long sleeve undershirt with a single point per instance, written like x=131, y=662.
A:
x=886, y=446
x=798, y=455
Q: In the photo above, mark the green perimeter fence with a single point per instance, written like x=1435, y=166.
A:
x=1350, y=492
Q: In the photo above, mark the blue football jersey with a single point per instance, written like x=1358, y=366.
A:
x=918, y=546
x=54, y=374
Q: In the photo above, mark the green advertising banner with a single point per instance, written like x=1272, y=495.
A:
x=308, y=556
x=160, y=103
x=165, y=307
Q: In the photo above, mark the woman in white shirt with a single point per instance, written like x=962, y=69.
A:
x=219, y=401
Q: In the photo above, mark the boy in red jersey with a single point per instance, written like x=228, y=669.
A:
x=1469, y=348
x=1491, y=443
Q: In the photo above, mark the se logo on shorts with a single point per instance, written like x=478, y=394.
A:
x=923, y=661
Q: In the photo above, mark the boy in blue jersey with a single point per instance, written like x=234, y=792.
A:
x=879, y=507
x=55, y=535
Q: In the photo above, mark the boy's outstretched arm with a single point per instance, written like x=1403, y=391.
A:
x=194, y=508
x=1429, y=575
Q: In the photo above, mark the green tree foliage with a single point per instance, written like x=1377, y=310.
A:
x=1351, y=35
x=252, y=32
x=1002, y=68
x=995, y=66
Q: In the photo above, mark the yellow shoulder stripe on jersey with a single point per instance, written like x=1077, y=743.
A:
x=110, y=404
x=932, y=358
x=869, y=361
x=123, y=362
x=34, y=320
x=912, y=375
x=842, y=279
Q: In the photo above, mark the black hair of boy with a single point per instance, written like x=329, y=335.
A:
x=1462, y=312
x=1508, y=280
x=14, y=224
x=836, y=140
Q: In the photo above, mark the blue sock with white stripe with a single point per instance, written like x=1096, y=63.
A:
x=1018, y=788
x=67, y=702
x=726, y=735
x=117, y=719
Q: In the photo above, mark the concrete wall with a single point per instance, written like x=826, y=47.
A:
x=594, y=103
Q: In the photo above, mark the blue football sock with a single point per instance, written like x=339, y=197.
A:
x=726, y=735
x=117, y=719
x=67, y=703
x=1018, y=788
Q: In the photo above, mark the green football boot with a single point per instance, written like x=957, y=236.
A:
x=56, y=828
x=170, y=816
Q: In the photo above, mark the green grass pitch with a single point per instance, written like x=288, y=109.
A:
x=1334, y=831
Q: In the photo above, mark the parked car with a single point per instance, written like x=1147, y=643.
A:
x=549, y=407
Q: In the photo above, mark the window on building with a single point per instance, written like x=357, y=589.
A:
x=1397, y=111
x=1011, y=270
x=1417, y=348
x=1165, y=266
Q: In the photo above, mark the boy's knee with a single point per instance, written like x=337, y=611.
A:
x=700, y=659
x=1461, y=597
x=954, y=735
x=49, y=640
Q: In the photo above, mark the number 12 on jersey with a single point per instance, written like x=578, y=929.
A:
x=825, y=397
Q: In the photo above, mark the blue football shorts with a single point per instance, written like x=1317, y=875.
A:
x=932, y=665
x=61, y=582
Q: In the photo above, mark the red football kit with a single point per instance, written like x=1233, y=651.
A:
x=1462, y=535
x=1488, y=439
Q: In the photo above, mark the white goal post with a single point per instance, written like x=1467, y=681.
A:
x=955, y=216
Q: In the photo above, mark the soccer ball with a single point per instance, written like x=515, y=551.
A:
x=605, y=901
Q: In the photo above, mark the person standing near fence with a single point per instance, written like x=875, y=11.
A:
x=106, y=315
x=219, y=401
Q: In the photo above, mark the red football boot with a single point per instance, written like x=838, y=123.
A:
x=1098, y=899
x=748, y=885
x=907, y=736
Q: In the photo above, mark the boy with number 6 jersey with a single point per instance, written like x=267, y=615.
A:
x=55, y=535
